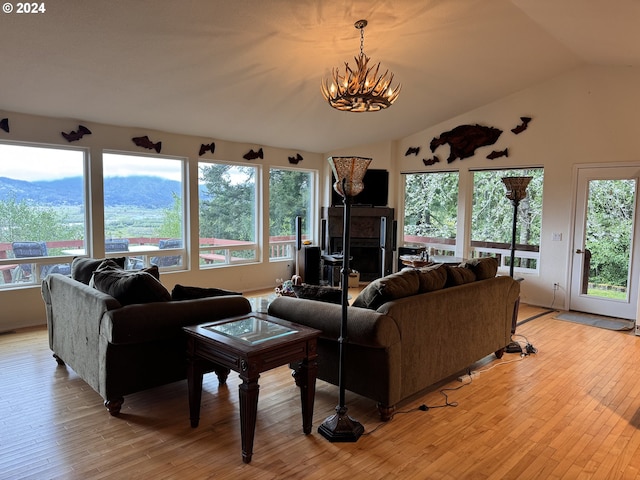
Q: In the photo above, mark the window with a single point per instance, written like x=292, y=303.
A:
x=492, y=219
x=291, y=194
x=228, y=213
x=431, y=211
x=42, y=210
x=143, y=209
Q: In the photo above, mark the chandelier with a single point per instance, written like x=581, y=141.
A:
x=360, y=90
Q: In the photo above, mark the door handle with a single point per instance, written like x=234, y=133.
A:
x=579, y=251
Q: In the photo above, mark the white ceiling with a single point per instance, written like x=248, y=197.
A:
x=250, y=70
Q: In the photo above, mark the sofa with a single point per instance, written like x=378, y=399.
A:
x=121, y=331
x=411, y=329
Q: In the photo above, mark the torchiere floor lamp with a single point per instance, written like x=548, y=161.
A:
x=516, y=191
x=348, y=172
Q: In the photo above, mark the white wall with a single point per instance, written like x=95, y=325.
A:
x=24, y=307
x=588, y=116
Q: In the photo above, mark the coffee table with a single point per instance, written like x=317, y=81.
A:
x=251, y=344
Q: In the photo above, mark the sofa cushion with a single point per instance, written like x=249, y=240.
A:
x=459, y=276
x=181, y=292
x=485, y=267
x=130, y=286
x=433, y=277
x=82, y=268
x=319, y=293
x=397, y=285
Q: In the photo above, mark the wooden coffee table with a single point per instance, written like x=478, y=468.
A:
x=251, y=344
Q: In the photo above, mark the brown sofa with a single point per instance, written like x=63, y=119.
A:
x=119, y=349
x=412, y=328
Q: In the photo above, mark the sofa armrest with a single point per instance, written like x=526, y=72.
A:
x=364, y=327
x=149, y=322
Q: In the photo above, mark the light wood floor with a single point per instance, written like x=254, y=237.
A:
x=570, y=411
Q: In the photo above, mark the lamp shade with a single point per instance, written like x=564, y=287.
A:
x=516, y=187
x=349, y=172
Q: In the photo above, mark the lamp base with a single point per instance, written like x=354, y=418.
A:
x=341, y=427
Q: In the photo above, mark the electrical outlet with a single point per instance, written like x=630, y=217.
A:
x=556, y=286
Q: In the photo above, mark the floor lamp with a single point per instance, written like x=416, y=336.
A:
x=348, y=172
x=516, y=191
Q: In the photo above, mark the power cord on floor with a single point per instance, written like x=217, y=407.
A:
x=424, y=407
x=523, y=348
x=525, y=351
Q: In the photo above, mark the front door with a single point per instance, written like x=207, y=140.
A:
x=605, y=263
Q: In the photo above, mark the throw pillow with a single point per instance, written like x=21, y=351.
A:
x=485, y=267
x=181, y=292
x=129, y=287
x=459, y=276
x=82, y=268
x=382, y=290
x=433, y=277
x=319, y=293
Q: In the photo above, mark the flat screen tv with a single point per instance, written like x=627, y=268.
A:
x=375, y=193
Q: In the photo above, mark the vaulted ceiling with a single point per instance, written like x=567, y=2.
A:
x=250, y=70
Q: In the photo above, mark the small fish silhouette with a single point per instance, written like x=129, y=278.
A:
x=498, y=153
x=523, y=126
x=430, y=161
x=72, y=136
x=144, y=142
x=414, y=150
x=207, y=148
x=251, y=155
x=295, y=159
x=4, y=124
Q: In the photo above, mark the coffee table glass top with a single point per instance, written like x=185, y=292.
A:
x=251, y=329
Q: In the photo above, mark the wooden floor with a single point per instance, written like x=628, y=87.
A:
x=570, y=411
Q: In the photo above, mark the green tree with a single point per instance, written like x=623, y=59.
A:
x=228, y=209
x=23, y=221
x=609, y=227
x=289, y=197
x=171, y=226
x=431, y=205
x=492, y=216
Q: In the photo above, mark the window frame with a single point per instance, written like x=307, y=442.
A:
x=144, y=257
x=207, y=256
x=290, y=245
x=479, y=248
x=7, y=265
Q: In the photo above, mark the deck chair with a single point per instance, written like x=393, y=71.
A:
x=116, y=245
x=34, y=249
x=170, y=260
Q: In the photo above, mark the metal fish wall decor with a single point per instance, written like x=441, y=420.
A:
x=252, y=155
x=144, y=142
x=75, y=135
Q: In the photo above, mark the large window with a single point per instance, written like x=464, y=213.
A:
x=492, y=218
x=228, y=213
x=143, y=209
x=42, y=210
x=291, y=194
x=431, y=211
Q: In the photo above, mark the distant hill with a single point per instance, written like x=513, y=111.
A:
x=139, y=191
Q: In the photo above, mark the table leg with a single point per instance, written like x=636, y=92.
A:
x=248, y=393
x=305, y=376
x=194, y=384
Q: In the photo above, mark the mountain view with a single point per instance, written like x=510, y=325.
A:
x=138, y=191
